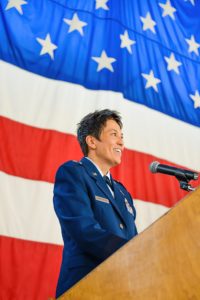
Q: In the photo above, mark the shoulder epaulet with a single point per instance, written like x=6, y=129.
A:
x=122, y=188
x=77, y=162
x=73, y=163
x=116, y=181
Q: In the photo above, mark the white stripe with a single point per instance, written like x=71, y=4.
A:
x=147, y=213
x=45, y=103
x=27, y=210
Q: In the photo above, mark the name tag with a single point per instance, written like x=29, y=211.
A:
x=101, y=199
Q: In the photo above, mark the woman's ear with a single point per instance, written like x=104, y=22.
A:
x=91, y=142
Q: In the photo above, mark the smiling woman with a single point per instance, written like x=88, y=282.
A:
x=106, y=151
x=95, y=219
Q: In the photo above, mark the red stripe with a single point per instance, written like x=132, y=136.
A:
x=29, y=270
x=36, y=153
x=32, y=152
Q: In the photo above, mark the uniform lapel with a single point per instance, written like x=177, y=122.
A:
x=120, y=200
x=94, y=173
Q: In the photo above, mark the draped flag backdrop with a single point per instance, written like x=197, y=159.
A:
x=61, y=59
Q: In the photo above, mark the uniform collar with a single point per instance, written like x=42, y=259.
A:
x=108, y=174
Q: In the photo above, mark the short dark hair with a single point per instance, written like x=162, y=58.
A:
x=93, y=123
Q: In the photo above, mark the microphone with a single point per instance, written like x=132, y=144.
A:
x=180, y=174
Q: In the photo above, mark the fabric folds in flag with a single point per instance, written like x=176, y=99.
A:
x=63, y=59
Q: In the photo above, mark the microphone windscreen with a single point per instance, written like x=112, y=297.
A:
x=153, y=166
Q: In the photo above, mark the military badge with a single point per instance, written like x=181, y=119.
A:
x=128, y=206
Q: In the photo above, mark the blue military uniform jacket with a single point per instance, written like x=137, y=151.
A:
x=94, y=224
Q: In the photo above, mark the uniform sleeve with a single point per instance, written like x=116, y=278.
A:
x=73, y=208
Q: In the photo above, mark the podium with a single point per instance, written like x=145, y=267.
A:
x=161, y=263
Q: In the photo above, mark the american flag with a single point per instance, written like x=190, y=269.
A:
x=63, y=59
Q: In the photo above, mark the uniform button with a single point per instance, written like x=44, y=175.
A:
x=121, y=226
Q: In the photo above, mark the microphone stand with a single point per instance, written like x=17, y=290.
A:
x=186, y=186
x=184, y=182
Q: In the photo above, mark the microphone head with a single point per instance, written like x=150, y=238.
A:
x=153, y=166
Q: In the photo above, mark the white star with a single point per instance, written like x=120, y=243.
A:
x=193, y=45
x=148, y=23
x=75, y=24
x=172, y=63
x=47, y=46
x=168, y=9
x=104, y=61
x=126, y=42
x=16, y=4
x=151, y=81
x=191, y=1
x=102, y=4
x=196, y=99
